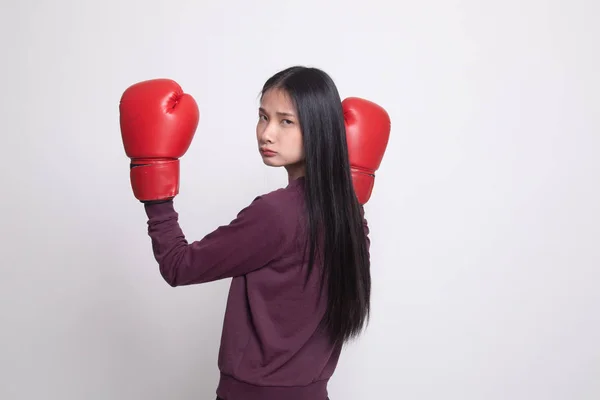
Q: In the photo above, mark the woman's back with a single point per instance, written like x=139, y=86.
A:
x=273, y=344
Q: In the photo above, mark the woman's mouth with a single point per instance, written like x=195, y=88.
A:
x=267, y=152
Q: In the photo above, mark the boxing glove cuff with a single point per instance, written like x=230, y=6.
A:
x=154, y=179
x=363, y=184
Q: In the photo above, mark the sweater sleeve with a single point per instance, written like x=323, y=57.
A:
x=249, y=242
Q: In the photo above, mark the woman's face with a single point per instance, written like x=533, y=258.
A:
x=278, y=133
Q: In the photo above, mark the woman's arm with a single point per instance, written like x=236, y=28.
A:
x=249, y=242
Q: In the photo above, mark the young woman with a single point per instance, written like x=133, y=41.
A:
x=298, y=256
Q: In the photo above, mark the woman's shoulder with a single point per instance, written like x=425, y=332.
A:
x=290, y=196
x=282, y=206
x=282, y=200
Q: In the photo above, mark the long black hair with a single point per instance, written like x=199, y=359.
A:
x=335, y=223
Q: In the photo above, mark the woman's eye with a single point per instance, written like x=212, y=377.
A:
x=287, y=122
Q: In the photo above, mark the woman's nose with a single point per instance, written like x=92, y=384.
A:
x=267, y=135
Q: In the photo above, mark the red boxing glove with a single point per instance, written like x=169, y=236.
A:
x=367, y=133
x=158, y=122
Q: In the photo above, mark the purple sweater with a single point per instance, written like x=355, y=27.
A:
x=271, y=344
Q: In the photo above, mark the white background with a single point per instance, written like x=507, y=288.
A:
x=485, y=217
